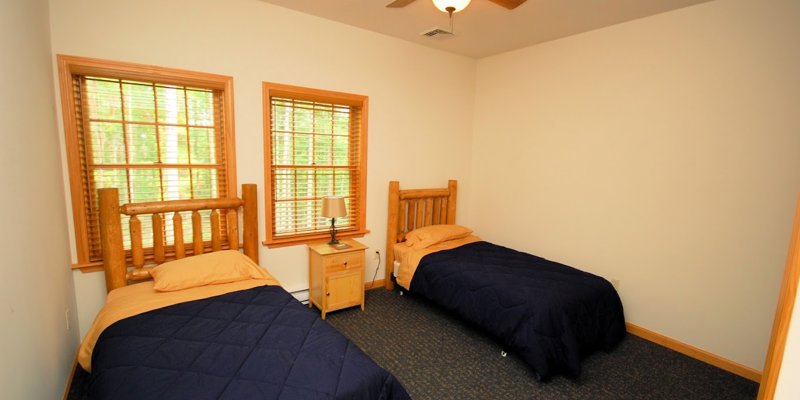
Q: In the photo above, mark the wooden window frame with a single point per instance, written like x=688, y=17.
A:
x=270, y=90
x=74, y=65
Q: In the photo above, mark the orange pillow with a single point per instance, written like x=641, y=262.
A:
x=206, y=269
x=433, y=234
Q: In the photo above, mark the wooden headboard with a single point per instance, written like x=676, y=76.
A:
x=410, y=209
x=122, y=266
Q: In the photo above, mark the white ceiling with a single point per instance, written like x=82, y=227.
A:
x=484, y=28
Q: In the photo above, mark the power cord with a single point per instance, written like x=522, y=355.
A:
x=376, y=269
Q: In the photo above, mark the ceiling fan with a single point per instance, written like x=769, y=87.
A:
x=451, y=7
x=456, y=5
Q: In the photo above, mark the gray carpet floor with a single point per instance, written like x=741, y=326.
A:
x=436, y=356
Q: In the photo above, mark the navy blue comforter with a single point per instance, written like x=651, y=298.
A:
x=259, y=343
x=551, y=314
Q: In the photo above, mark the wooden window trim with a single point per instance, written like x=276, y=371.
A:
x=270, y=90
x=74, y=65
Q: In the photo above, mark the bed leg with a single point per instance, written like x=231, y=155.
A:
x=503, y=353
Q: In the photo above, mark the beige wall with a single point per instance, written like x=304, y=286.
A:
x=36, y=289
x=664, y=152
x=420, y=99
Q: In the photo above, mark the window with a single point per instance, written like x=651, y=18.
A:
x=315, y=145
x=154, y=133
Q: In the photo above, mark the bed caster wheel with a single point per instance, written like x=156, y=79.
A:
x=503, y=353
x=401, y=293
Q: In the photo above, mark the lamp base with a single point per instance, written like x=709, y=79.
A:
x=333, y=232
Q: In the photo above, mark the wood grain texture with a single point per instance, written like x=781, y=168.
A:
x=111, y=239
x=336, y=277
x=137, y=252
x=197, y=233
x=116, y=264
x=411, y=209
x=694, y=352
x=783, y=313
x=158, y=238
x=250, y=218
x=391, y=231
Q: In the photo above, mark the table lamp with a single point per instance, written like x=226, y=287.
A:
x=333, y=207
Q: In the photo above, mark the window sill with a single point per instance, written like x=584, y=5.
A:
x=317, y=237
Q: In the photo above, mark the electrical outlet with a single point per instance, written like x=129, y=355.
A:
x=66, y=317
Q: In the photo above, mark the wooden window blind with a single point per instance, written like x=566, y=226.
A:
x=152, y=139
x=315, y=142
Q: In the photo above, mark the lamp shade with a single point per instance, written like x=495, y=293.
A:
x=333, y=207
x=458, y=5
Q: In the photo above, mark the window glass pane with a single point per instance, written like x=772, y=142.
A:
x=282, y=149
x=303, y=149
x=107, y=143
x=305, y=183
x=145, y=185
x=201, y=107
x=342, y=185
x=174, y=145
x=303, y=121
x=341, y=123
x=304, y=211
x=139, y=102
x=176, y=183
x=281, y=117
x=204, y=183
x=201, y=144
x=142, y=145
x=323, y=121
x=103, y=99
x=284, y=217
x=171, y=105
x=341, y=150
x=112, y=178
x=284, y=184
x=323, y=146
x=324, y=182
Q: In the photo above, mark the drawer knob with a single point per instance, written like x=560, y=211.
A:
x=328, y=294
x=345, y=264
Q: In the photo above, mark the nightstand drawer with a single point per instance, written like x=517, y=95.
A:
x=341, y=262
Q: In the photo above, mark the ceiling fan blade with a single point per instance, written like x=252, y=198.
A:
x=399, y=3
x=509, y=4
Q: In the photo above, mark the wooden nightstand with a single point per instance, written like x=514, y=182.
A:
x=336, y=277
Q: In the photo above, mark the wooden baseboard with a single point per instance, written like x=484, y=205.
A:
x=68, y=385
x=376, y=284
x=693, y=352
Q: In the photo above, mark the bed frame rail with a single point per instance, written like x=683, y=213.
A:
x=416, y=208
x=115, y=257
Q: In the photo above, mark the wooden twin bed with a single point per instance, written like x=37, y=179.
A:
x=552, y=315
x=242, y=337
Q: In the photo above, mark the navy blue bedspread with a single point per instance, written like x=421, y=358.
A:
x=259, y=343
x=551, y=314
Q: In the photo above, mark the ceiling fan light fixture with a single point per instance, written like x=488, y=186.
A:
x=451, y=6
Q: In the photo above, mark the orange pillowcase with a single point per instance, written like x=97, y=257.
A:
x=430, y=235
x=206, y=269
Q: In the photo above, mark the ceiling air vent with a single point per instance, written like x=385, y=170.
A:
x=436, y=31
